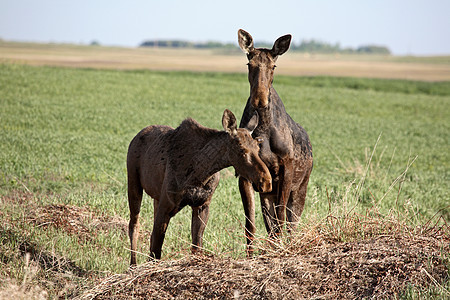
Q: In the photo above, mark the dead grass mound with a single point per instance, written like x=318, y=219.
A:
x=345, y=255
x=75, y=220
x=316, y=264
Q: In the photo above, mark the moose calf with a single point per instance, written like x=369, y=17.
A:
x=179, y=167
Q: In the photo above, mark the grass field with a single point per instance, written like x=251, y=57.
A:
x=65, y=132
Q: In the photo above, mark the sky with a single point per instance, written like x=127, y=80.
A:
x=406, y=27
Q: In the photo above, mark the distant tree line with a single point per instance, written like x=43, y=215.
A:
x=314, y=46
x=308, y=46
x=184, y=44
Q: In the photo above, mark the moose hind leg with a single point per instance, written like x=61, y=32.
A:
x=134, y=203
x=199, y=220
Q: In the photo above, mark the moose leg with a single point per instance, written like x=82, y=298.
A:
x=199, y=220
x=283, y=196
x=166, y=211
x=268, y=210
x=296, y=203
x=248, y=201
x=155, y=208
x=292, y=209
x=134, y=203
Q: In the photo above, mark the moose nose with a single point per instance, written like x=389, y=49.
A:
x=265, y=185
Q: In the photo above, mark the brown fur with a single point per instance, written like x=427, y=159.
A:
x=285, y=146
x=179, y=167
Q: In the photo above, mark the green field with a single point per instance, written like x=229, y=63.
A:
x=65, y=132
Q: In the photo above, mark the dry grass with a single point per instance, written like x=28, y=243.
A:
x=25, y=289
x=344, y=257
x=298, y=64
x=43, y=272
x=79, y=221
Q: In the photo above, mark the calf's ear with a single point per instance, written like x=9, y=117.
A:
x=281, y=45
x=229, y=122
x=251, y=125
x=245, y=41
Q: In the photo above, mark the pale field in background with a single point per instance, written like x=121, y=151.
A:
x=291, y=63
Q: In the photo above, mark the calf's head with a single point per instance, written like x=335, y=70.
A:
x=243, y=152
x=261, y=66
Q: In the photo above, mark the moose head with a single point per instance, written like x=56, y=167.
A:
x=261, y=66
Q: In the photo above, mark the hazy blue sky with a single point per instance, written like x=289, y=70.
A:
x=405, y=26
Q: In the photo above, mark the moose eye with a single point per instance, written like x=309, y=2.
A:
x=273, y=68
x=259, y=140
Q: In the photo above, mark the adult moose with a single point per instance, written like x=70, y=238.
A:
x=285, y=146
x=179, y=167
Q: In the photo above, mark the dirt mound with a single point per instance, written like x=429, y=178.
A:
x=381, y=267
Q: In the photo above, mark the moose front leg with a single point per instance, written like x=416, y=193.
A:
x=166, y=211
x=199, y=220
x=269, y=213
x=248, y=201
x=283, y=196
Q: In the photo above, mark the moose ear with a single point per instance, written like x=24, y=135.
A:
x=251, y=125
x=229, y=122
x=245, y=41
x=281, y=45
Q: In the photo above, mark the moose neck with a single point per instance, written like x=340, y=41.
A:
x=210, y=159
x=270, y=115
